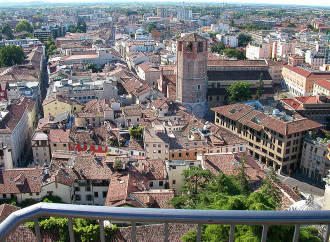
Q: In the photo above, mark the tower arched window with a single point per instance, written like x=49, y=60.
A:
x=189, y=47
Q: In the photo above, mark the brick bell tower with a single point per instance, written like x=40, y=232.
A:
x=191, y=79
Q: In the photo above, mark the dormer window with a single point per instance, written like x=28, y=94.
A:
x=189, y=47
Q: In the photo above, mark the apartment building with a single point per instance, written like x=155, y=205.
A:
x=156, y=142
x=299, y=80
x=273, y=137
x=321, y=87
x=55, y=105
x=314, y=161
x=41, y=149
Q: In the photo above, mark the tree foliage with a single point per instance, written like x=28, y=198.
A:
x=260, y=87
x=7, y=31
x=11, y=55
x=93, y=67
x=81, y=27
x=240, y=55
x=218, y=48
x=136, y=132
x=23, y=25
x=84, y=229
x=151, y=27
x=229, y=192
x=244, y=39
x=239, y=91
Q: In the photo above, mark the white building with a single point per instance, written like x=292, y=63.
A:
x=227, y=39
x=256, y=51
x=314, y=59
x=86, y=90
x=14, y=129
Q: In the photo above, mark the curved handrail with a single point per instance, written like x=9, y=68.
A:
x=236, y=217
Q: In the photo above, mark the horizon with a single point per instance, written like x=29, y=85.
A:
x=316, y=3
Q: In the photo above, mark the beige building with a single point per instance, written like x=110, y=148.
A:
x=40, y=149
x=300, y=81
x=321, y=87
x=56, y=105
x=59, y=140
x=156, y=143
x=314, y=162
x=273, y=137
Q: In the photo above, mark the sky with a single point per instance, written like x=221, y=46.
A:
x=322, y=3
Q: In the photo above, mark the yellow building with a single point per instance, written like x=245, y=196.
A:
x=56, y=105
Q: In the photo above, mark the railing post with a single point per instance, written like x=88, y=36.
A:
x=102, y=234
x=133, y=231
x=264, y=233
x=37, y=229
x=296, y=233
x=70, y=225
x=199, y=232
x=166, y=232
x=326, y=237
x=232, y=233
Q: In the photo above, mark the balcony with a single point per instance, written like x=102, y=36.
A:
x=166, y=216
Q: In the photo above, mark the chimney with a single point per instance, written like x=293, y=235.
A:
x=7, y=158
x=56, y=185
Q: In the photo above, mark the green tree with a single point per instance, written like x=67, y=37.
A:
x=195, y=180
x=136, y=132
x=23, y=25
x=242, y=175
x=218, y=48
x=151, y=27
x=11, y=55
x=72, y=28
x=244, y=39
x=239, y=91
x=240, y=55
x=260, y=87
x=7, y=31
x=81, y=26
x=93, y=67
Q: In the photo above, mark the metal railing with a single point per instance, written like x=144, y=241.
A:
x=166, y=216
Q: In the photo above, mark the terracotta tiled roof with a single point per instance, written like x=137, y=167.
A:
x=16, y=112
x=235, y=111
x=6, y=210
x=260, y=63
x=298, y=70
x=59, y=136
x=97, y=136
x=149, y=233
x=30, y=177
x=155, y=198
x=323, y=83
x=228, y=164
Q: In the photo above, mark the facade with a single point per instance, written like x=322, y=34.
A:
x=314, y=161
x=156, y=143
x=256, y=51
x=14, y=130
x=273, y=137
x=321, y=87
x=41, y=149
x=299, y=80
x=191, y=73
x=56, y=105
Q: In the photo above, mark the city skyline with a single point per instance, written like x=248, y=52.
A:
x=276, y=2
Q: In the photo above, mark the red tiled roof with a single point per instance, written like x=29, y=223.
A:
x=59, y=136
x=228, y=164
x=6, y=210
x=298, y=70
x=323, y=83
x=31, y=182
x=235, y=111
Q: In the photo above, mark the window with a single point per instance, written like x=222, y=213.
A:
x=77, y=197
x=173, y=167
x=198, y=87
x=81, y=146
x=64, y=145
x=77, y=189
x=54, y=145
x=104, y=194
x=279, y=150
x=89, y=197
x=179, y=154
x=151, y=184
x=87, y=189
x=288, y=144
x=173, y=182
x=96, y=194
x=159, y=151
x=161, y=183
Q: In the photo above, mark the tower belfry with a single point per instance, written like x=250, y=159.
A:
x=191, y=78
